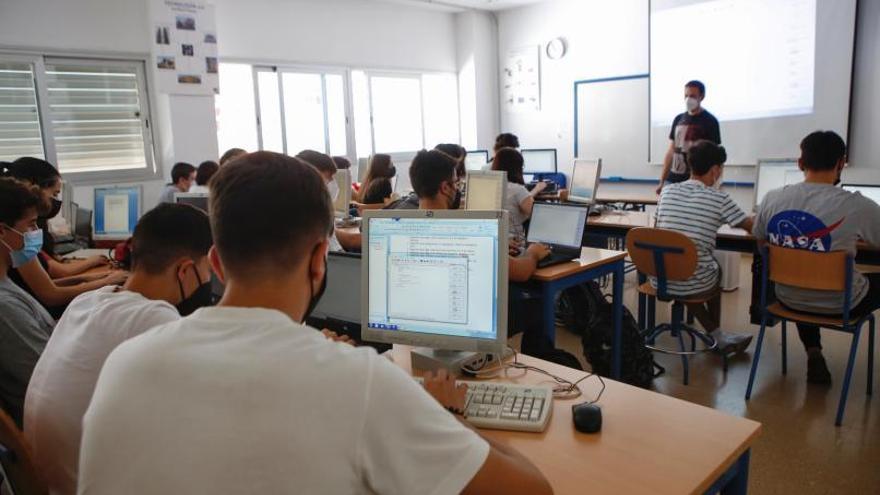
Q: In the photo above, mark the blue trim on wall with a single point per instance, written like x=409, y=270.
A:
x=594, y=81
x=632, y=180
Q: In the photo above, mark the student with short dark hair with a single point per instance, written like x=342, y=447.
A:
x=340, y=240
x=818, y=216
x=322, y=163
x=457, y=153
x=342, y=162
x=231, y=154
x=377, y=185
x=170, y=276
x=206, y=170
x=506, y=140
x=519, y=201
x=25, y=325
x=250, y=397
x=182, y=177
x=698, y=208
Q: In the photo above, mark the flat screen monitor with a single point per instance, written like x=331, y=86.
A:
x=539, y=161
x=117, y=210
x=871, y=192
x=585, y=181
x=486, y=190
x=435, y=278
x=558, y=225
x=342, y=201
x=82, y=227
x=199, y=200
x=342, y=296
x=476, y=160
x=773, y=174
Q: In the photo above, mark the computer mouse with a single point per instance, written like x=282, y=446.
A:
x=587, y=417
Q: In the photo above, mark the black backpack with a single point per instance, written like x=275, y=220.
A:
x=588, y=312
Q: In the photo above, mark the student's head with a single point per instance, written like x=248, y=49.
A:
x=183, y=175
x=706, y=160
x=271, y=217
x=823, y=151
x=170, y=245
x=432, y=175
x=510, y=161
x=19, y=202
x=694, y=92
x=206, y=170
x=231, y=154
x=457, y=153
x=506, y=140
x=43, y=175
x=341, y=162
x=322, y=163
x=381, y=167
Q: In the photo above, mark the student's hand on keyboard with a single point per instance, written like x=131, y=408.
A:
x=538, y=251
x=448, y=393
x=335, y=337
x=539, y=187
x=116, y=277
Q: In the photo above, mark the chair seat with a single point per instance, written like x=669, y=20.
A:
x=826, y=321
x=646, y=288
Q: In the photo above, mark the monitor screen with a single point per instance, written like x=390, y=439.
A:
x=485, y=190
x=199, y=200
x=584, y=181
x=343, y=197
x=773, y=174
x=539, y=161
x=436, y=279
x=117, y=210
x=560, y=225
x=476, y=160
x=870, y=192
x=342, y=296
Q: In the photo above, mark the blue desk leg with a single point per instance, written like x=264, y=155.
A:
x=548, y=307
x=617, y=298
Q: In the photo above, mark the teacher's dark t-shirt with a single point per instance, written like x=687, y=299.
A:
x=686, y=130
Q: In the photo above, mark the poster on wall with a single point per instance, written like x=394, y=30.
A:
x=183, y=35
x=521, y=80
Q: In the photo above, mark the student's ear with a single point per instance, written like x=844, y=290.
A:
x=318, y=262
x=801, y=164
x=216, y=264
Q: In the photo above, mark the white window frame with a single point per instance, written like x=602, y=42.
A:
x=397, y=75
x=39, y=62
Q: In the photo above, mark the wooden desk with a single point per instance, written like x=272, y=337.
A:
x=649, y=443
x=593, y=263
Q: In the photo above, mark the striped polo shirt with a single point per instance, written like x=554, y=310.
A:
x=697, y=211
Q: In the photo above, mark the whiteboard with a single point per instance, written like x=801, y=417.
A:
x=612, y=122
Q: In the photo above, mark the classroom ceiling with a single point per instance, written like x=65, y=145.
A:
x=462, y=5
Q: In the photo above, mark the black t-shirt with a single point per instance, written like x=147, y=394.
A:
x=688, y=129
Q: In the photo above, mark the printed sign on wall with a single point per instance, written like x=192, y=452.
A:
x=521, y=80
x=184, y=40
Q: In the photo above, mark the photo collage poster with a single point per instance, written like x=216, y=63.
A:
x=184, y=40
x=521, y=80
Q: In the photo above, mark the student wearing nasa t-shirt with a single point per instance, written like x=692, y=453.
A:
x=818, y=216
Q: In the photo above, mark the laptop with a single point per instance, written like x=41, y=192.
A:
x=560, y=226
x=775, y=173
x=585, y=181
x=871, y=192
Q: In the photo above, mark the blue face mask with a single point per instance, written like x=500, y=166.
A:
x=33, y=243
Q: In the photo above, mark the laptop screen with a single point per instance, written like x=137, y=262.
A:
x=560, y=225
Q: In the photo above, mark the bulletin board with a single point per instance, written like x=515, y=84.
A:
x=183, y=37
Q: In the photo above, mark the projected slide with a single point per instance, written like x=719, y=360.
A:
x=756, y=57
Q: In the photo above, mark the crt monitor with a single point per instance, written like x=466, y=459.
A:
x=476, y=159
x=539, y=161
x=773, y=174
x=585, y=181
x=117, y=210
x=199, y=200
x=342, y=201
x=435, y=278
x=486, y=190
x=871, y=192
x=558, y=225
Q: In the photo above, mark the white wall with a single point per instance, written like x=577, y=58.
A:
x=477, y=57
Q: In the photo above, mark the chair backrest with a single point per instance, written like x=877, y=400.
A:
x=660, y=253
x=15, y=457
x=808, y=269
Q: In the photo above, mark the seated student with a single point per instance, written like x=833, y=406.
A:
x=182, y=177
x=341, y=162
x=170, y=268
x=816, y=205
x=505, y=140
x=519, y=200
x=25, y=325
x=697, y=209
x=340, y=239
x=231, y=154
x=206, y=170
x=50, y=280
x=457, y=153
x=377, y=185
x=242, y=397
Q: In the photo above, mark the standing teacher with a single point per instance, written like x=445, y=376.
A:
x=688, y=128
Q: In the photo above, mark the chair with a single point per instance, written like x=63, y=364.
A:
x=668, y=255
x=831, y=271
x=19, y=472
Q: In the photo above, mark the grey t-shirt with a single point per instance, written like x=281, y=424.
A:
x=25, y=327
x=818, y=217
x=168, y=194
x=516, y=193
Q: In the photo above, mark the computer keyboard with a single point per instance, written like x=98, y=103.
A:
x=507, y=406
x=555, y=259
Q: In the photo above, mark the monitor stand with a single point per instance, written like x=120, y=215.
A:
x=427, y=359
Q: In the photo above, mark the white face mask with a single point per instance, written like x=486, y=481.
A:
x=691, y=103
x=333, y=189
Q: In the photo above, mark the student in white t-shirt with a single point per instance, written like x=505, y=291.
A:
x=170, y=267
x=519, y=200
x=340, y=240
x=243, y=398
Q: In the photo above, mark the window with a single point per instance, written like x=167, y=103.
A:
x=235, y=108
x=85, y=116
x=397, y=113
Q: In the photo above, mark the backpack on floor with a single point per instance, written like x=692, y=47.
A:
x=591, y=315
